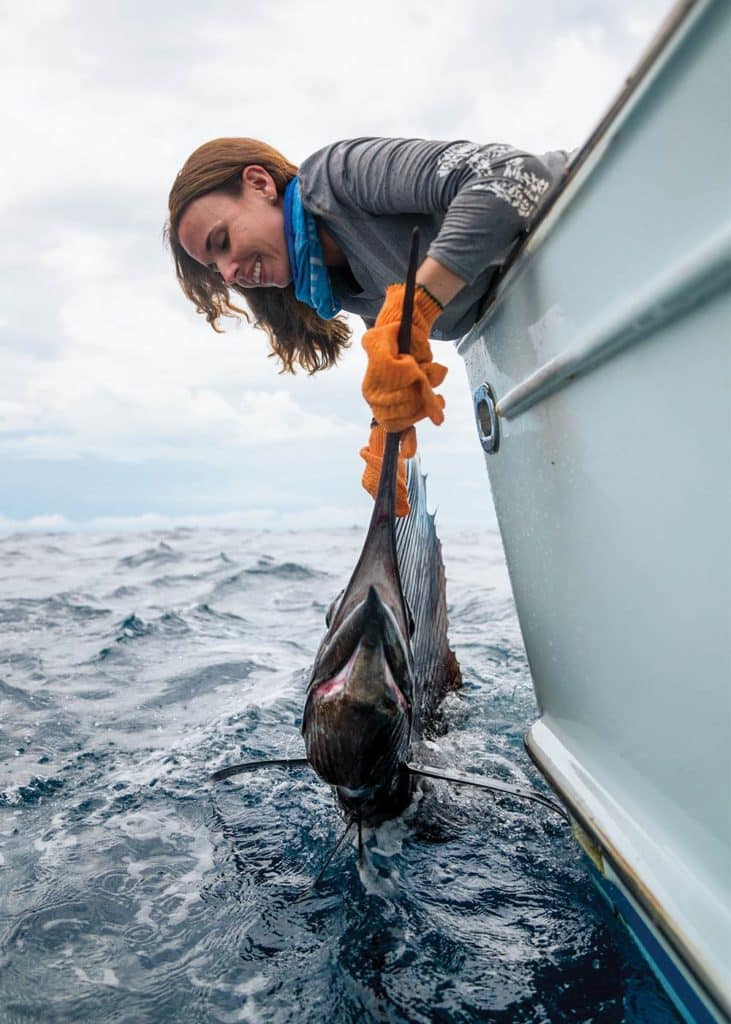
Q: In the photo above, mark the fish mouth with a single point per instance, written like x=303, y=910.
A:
x=339, y=684
x=372, y=626
x=357, y=717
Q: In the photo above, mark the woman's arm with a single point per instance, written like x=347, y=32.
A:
x=486, y=194
x=443, y=284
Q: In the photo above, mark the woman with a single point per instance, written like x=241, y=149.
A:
x=299, y=245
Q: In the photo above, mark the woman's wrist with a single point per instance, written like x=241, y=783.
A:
x=441, y=283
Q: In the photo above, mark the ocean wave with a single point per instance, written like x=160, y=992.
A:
x=124, y=591
x=206, y=611
x=162, y=553
x=46, y=609
x=29, y=698
x=128, y=630
x=267, y=566
x=192, y=685
x=33, y=792
x=133, y=627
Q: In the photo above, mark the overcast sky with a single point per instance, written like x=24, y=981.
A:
x=119, y=407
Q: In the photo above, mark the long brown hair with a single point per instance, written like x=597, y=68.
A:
x=297, y=335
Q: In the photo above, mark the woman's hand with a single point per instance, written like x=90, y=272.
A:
x=372, y=455
x=400, y=388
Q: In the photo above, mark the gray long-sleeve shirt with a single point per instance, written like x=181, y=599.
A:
x=471, y=202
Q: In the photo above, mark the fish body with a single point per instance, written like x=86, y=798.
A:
x=385, y=664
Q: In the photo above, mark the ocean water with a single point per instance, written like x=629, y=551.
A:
x=133, y=890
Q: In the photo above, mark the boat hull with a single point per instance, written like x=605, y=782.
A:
x=607, y=351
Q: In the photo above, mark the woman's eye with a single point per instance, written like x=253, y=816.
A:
x=223, y=244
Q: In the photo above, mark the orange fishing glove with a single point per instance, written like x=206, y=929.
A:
x=372, y=455
x=399, y=388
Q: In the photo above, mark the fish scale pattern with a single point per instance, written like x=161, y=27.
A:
x=419, y=552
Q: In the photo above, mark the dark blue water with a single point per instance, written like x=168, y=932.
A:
x=133, y=891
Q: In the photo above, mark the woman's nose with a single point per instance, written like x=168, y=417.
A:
x=229, y=271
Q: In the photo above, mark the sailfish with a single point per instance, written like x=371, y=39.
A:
x=385, y=664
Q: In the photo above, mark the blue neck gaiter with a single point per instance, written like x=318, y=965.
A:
x=309, y=273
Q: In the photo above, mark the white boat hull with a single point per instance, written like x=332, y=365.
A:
x=607, y=349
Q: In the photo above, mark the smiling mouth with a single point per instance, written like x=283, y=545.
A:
x=256, y=273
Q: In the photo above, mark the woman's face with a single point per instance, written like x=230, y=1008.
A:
x=242, y=238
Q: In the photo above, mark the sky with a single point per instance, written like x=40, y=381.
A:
x=120, y=409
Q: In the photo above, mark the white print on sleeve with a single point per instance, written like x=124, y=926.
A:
x=524, y=191
x=482, y=160
x=503, y=166
x=455, y=156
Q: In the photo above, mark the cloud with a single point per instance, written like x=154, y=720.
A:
x=262, y=518
x=65, y=415
x=39, y=524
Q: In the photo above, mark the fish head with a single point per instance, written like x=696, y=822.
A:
x=358, y=711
